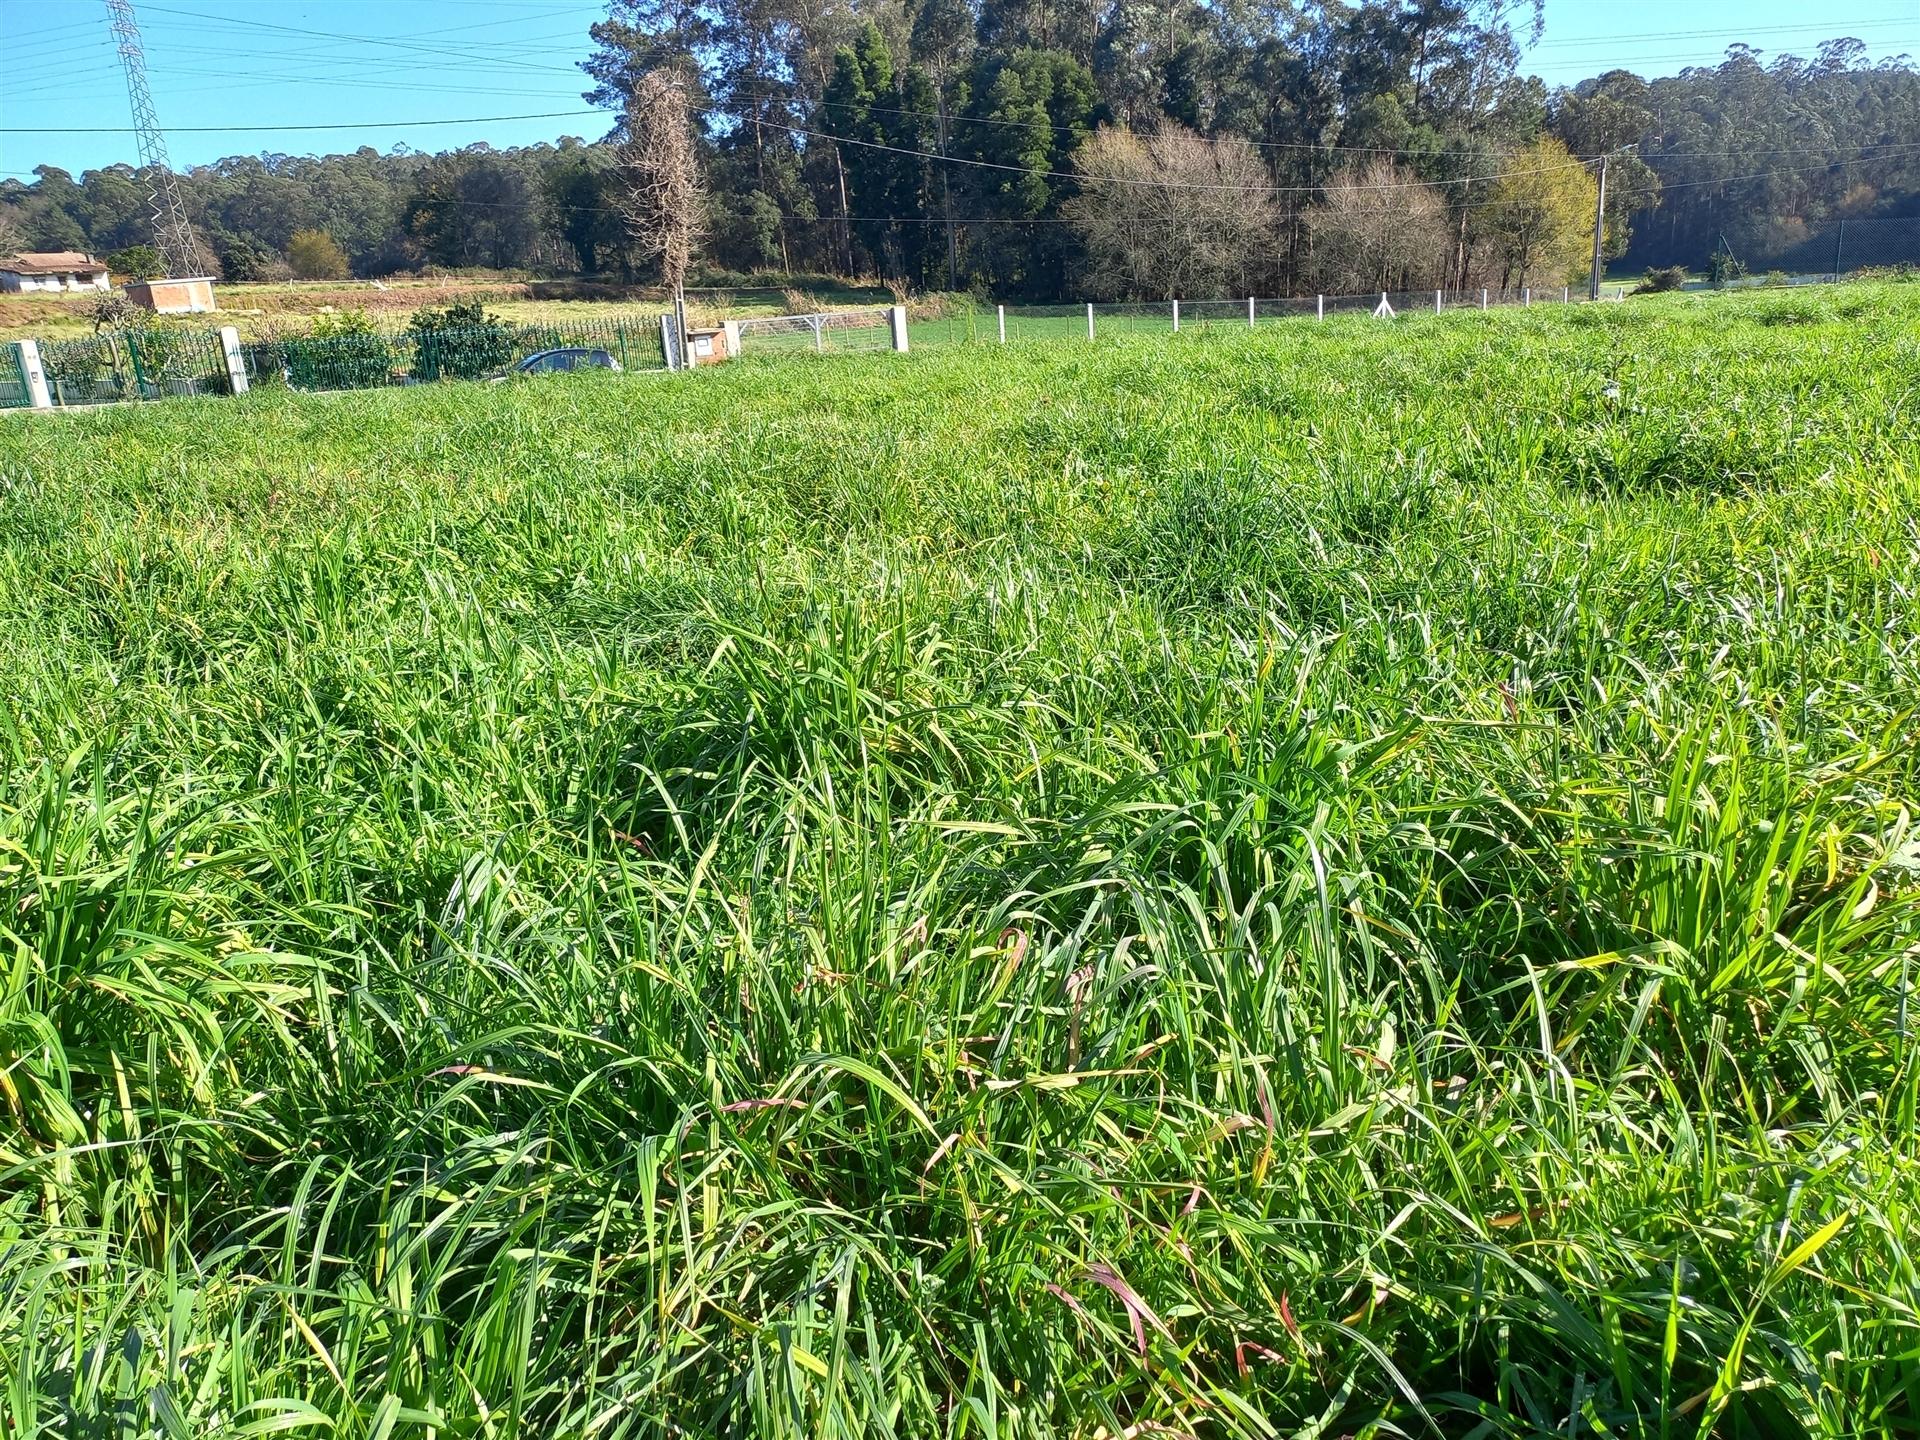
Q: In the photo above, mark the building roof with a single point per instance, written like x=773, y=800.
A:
x=50, y=262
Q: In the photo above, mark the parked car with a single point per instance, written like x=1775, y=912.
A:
x=571, y=357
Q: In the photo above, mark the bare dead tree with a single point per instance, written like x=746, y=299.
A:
x=1170, y=214
x=1378, y=228
x=663, y=197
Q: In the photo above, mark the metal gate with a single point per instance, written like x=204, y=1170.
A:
x=829, y=330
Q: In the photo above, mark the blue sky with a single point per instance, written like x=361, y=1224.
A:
x=444, y=64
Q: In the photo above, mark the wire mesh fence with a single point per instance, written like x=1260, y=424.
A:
x=838, y=330
x=1842, y=247
x=955, y=324
x=157, y=362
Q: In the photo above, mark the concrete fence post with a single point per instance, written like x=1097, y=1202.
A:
x=730, y=333
x=1176, y=317
x=236, y=362
x=1319, y=307
x=1483, y=298
x=1436, y=301
x=1566, y=294
x=1001, y=316
x=897, y=318
x=38, y=395
x=1526, y=298
x=1249, y=312
x=1089, y=319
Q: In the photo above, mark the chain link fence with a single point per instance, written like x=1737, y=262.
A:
x=1844, y=247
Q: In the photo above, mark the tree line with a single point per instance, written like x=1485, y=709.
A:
x=1039, y=150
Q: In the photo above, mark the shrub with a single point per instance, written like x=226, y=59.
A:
x=462, y=342
x=1657, y=279
x=86, y=369
x=136, y=262
x=344, y=352
x=316, y=255
x=114, y=311
x=159, y=349
x=246, y=259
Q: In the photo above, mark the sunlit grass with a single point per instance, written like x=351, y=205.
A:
x=1356, y=879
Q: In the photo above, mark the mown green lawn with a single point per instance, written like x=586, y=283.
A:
x=1348, y=880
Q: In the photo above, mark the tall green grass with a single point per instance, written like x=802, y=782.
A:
x=1347, y=880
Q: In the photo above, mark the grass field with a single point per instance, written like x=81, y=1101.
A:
x=1351, y=880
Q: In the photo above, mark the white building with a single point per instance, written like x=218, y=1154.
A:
x=53, y=270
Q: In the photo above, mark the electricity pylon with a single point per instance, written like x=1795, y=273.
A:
x=172, y=235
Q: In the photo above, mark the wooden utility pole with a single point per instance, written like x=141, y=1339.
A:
x=846, y=220
x=1599, y=231
x=946, y=199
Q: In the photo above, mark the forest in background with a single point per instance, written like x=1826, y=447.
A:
x=1034, y=150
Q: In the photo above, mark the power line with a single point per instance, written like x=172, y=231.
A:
x=394, y=44
x=266, y=77
x=282, y=129
x=1064, y=220
x=1778, y=170
x=77, y=64
x=793, y=129
x=1830, y=26
x=1698, y=62
x=1884, y=152
x=38, y=40
x=1118, y=180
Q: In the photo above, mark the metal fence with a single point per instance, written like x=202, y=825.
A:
x=1009, y=324
x=368, y=360
x=145, y=364
x=870, y=329
x=13, y=379
x=160, y=361
x=157, y=361
x=1843, y=247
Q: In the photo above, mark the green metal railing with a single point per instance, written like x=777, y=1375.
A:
x=148, y=364
x=369, y=360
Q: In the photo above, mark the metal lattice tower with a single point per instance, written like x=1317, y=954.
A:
x=172, y=235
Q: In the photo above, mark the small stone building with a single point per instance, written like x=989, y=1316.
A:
x=189, y=295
